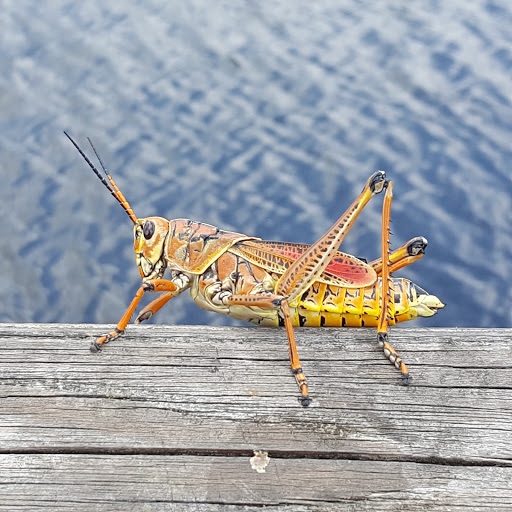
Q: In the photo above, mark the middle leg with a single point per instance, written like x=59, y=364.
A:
x=272, y=301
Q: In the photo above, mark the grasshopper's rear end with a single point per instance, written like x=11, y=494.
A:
x=277, y=283
x=361, y=307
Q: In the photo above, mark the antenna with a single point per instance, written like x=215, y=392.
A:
x=110, y=184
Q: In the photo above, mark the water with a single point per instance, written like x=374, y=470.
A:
x=265, y=118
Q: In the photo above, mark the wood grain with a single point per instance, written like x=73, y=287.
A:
x=168, y=417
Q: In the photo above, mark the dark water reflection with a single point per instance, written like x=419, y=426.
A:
x=261, y=117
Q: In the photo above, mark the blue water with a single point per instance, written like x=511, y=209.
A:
x=265, y=118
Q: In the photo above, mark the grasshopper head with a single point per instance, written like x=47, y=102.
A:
x=149, y=242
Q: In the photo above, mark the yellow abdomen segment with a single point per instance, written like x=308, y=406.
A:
x=330, y=306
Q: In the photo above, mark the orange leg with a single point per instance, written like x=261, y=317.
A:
x=154, y=306
x=386, y=304
x=410, y=252
x=272, y=301
x=294, y=355
x=155, y=285
x=304, y=271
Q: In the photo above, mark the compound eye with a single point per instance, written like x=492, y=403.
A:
x=148, y=229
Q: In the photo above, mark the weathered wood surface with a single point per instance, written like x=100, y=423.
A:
x=167, y=418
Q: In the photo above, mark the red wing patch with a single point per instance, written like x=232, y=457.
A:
x=349, y=270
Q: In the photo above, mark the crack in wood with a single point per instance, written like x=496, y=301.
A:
x=275, y=454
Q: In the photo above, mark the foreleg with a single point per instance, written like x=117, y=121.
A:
x=153, y=307
x=182, y=282
x=155, y=285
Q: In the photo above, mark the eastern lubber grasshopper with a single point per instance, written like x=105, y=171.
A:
x=276, y=283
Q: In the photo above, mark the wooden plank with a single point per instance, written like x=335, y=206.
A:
x=206, y=397
x=74, y=482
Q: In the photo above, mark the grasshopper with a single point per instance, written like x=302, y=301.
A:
x=276, y=283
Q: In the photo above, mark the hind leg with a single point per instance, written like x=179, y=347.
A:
x=387, y=295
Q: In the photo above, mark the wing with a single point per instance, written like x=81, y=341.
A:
x=344, y=270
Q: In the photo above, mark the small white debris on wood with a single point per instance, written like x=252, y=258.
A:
x=260, y=461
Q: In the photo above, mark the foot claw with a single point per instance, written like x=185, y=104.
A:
x=305, y=401
x=405, y=380
x=95, y=346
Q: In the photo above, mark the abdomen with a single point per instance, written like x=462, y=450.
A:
x=330, y=306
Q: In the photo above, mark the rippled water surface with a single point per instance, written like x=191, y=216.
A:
x=265, y=118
